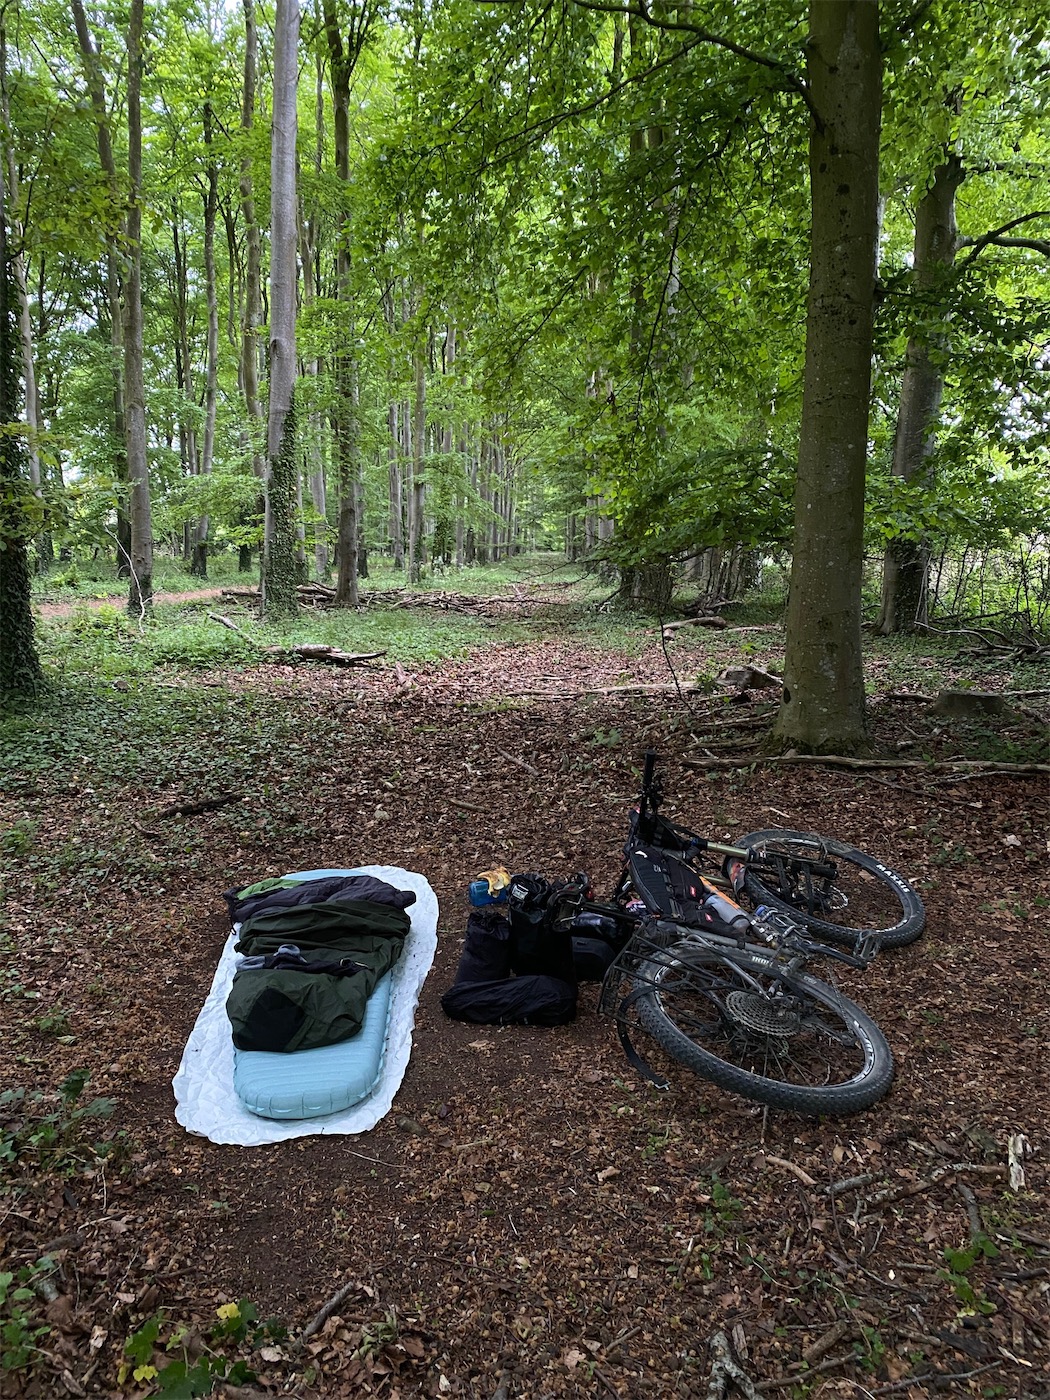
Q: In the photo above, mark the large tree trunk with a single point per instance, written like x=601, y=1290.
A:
x=905, y=569
x=309, y=240
x=97, y=93
x=279, y=570
x=45, y=548
x=823, y=704
x=394, y=491
x=343, y=60
x=253, y=313
x=20, y=674
x=140, y=590
x=183, y=358
x=199, y=563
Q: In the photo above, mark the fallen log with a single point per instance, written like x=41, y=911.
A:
x=305, y=651
x=687, y=687
x=308, y=651
x=718, y=623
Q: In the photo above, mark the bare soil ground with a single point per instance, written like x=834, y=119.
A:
x=531, y=1219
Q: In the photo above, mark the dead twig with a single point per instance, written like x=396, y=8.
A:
x=799, y=1375
x=973, y=1214
x=328, y=1310
x=512, y=758
x=913, y=1188
x=225, y=622
x=791, y=1167
x=954, y=1376
x=849, y=1183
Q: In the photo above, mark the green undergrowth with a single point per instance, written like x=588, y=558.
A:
x=85, y=733
x=103, y=642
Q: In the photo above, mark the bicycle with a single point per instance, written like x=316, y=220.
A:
x=743, y=1013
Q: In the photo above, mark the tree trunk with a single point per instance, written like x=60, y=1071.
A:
x=199, y=562
x=823, y=704
x=397, y=529
x=183, y=358
x=20, y=673
x=140, y=591
x=343, y=59
x=416, y=484
x=45, y=547
x=905, y=569
x=279, y=569
x=253, y=313
x=311, y=257
x=97, y=93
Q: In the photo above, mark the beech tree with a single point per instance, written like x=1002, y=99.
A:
x=20, y=673
x=823, y=704
x=279, y=568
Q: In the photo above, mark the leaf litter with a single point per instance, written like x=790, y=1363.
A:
x=531, y=1219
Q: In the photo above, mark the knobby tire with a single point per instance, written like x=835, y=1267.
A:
x=689, y=1011
x=902, y=899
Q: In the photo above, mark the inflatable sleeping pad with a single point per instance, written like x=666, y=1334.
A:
x=327, y=1079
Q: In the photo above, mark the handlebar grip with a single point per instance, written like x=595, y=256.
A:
x=649, y=769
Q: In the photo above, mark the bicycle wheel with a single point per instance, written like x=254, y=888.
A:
x=852, y=894
x=794, y=1043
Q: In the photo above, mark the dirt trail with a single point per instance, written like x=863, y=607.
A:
x=118, y=600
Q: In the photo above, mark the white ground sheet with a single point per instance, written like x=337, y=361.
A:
x=205, y=1100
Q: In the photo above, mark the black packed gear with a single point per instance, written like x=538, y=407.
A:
x=514, y=1001
x=538, y=946
x=516, y=967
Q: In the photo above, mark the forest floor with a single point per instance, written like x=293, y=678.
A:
x=531, y=1219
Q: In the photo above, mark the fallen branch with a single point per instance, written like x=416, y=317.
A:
x=467, y=806
x=830, y=760
x=305, y=651
x=725, y=1371
x=310, y=651
x=937, y=1376
x=225, y=622
x=206, y=804
x=323, y=1314
x=798, y=1376
x=913, y=1188
x=652, y=689
x=719, y=623
x=795, y=1170
x=849, y=1183
x=512, y=758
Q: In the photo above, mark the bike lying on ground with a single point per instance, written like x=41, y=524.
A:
x=727, y=991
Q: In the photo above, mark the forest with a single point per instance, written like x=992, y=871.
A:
x=411, y=415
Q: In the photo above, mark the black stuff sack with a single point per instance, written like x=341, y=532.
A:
x=512, y=1001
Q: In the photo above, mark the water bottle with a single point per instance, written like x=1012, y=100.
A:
x=729, y=912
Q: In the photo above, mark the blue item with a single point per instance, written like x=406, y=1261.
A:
x=326, y=1079
x=310, y=1083
x=481, y=894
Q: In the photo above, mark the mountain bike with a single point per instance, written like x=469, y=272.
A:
x=725, y=990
